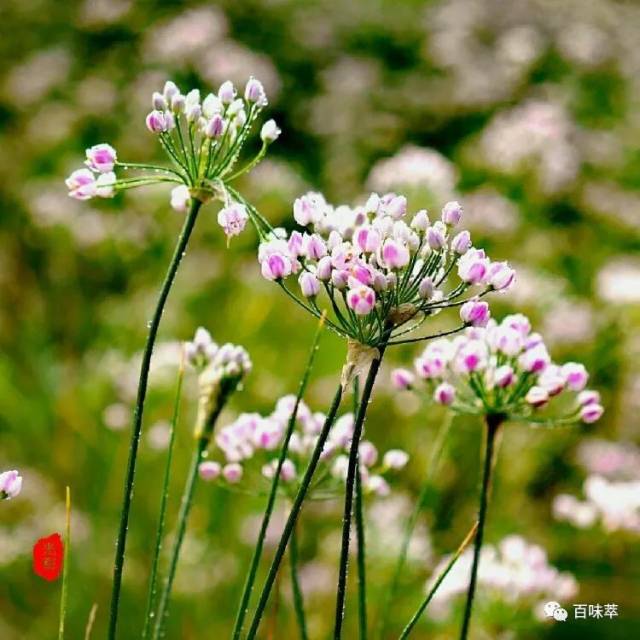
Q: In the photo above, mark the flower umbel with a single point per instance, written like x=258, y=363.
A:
x=252, y=442
x=503, y=369
x=203, y=140
x=381, y=268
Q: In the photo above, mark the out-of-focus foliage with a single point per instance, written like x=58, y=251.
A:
x=526, y=111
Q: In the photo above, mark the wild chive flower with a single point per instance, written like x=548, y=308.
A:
x=381, y=268
x=10, y=484
x=221, y=371
x=503, y=369
x=252, y=443
x=203, y=140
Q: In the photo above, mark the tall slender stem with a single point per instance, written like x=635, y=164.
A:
x=350, y=482
x=153, y=578
x=183, y=515
x=298, y=599
x=493, y=423
x=293, y=514
x=118, y=564
x=362, y=558
x=360, y=530
x=412, y=521
x=65, y=566
x=266, y=518
x=423, y=605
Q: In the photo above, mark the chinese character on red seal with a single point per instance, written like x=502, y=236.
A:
x=48, y=557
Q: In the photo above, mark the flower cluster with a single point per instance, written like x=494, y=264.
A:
x=611, y=489
x=203, y=139
x=253, y=442
x=516, y=570
x=10, y=484
x=379, y=267
x=615, y=504
x=221, y=371
x=501, y=369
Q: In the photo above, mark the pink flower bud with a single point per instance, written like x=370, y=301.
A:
x=101, y=158
x=552, y=380
x=233, y=219
x=475, y=312
x=254, y=92
x=214, y=127
x=591, y=413
x=518, y=322
x=426, y=288
x=452, y=213
x=323, y=269
x=402, y=379
x=226, y=92
x=378, y=486
x=436, y=236
x=313, y=246
x=361, y=300
x=232, y=472
x=159, y=121
x=420, y=221
x=395, y=459
x=209, y=470
x=461, y=243
x=504, y=376
x=10, y=484
x=367, y=453
x=500, y=275
x=536, y=359
x=473, y=266
x=537, y=397
x=170, y=90
x=81, y=184
x=339, y=279
x=309, y=284
x=178, y=103
x=276, y=266
x=270, y=132
x=394, y=254
x=159, y=102
x=588, y=397
x=295, y=244
x=180, y=198
x=444, y=394
x=575, y=375
x=396, y=207
x=367, y=239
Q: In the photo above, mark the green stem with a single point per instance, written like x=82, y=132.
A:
x=362, y=563
x=412, y=521
x=183, y=515
x=118, y=564
x=65, y=567
x=350, y=482
x=360, y=530
x=153, y=583
x=293, y=515
x=423, y=605
x=493, y=422
x=266, y=518
x=298, y=599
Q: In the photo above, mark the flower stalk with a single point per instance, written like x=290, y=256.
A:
x=118, y=565
x=350, y=483
x=493, y=423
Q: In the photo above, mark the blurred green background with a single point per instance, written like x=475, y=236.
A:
x=527, y=112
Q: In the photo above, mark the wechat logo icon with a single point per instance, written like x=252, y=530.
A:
x=556, y=611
